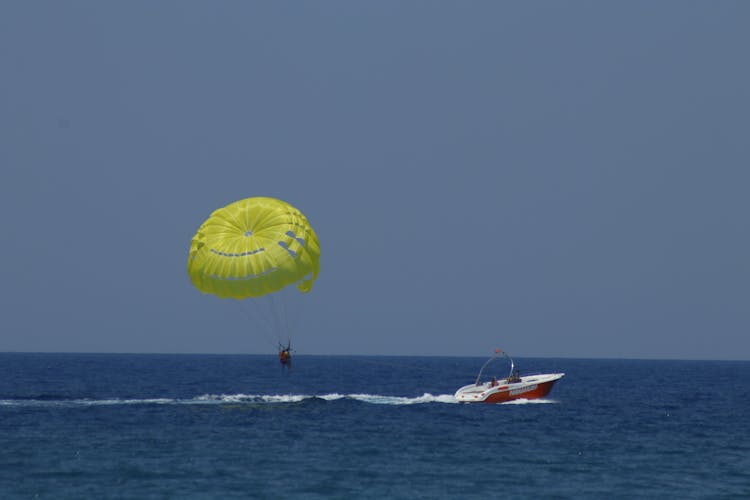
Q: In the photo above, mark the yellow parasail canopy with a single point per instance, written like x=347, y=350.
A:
x=254, y=247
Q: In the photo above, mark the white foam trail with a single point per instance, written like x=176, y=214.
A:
x=209, y=399
x=85, y=402
x=250, y=398
x=365, y=398
x=399, y=400
x=109, y=402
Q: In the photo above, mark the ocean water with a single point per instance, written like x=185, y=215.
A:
x=204, y=426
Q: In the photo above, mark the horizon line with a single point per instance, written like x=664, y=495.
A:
x=603, y=358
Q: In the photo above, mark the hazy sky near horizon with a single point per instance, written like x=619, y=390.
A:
x=563, y=179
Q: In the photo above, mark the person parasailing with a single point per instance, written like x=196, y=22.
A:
x=285, y=354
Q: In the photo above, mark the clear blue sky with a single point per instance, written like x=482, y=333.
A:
x=554, y=178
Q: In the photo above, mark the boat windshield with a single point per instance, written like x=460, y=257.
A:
x=512, y=375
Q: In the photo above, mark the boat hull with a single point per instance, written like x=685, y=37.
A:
x=530, y=387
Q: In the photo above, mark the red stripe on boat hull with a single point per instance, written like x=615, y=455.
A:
x=540, y=391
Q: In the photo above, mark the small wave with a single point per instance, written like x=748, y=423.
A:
x=530, y=402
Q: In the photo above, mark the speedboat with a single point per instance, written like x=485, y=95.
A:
x=509, y=388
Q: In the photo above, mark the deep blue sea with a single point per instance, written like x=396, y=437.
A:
x=212, y=426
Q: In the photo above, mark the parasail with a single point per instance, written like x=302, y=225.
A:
x=254, y=247
x=257, y=248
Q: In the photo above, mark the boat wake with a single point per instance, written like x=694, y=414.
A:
x=252, y=399
x=223, y=399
